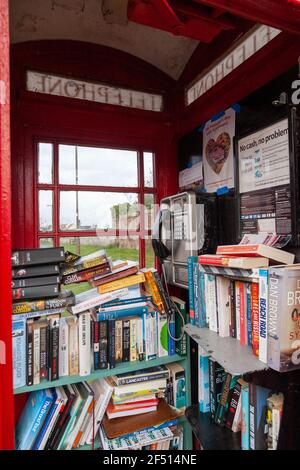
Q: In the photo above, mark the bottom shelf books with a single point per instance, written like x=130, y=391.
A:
x=243, y=407
x=133, y=410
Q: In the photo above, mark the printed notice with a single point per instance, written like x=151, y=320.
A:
x=264, y=158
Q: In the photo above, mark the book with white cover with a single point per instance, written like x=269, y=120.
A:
x=102, y=395
x=263, y=315
x=211, y=302
x=77, y=403
x=63, y=355
x=36, y=355
x=224, y=308
x=87, y=397
x=91, y=298
x=73, y=346
x=84, y=338
x=59, y=403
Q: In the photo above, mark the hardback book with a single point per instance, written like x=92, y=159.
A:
x=190, y=263
x=264, y=251
x=84, y=339
x=35, y=282
x=63, y=301
x=255, y=317
x=19, y=353
x=35, y=271
x=180, y=346
x=245, y=423
x=263, y=314
x=121, y=283
x=283, y=318
x=224, y=309
x=32, y=418
x=140, y=376
x=38, y=292
x=216, y=379
x=211, y=302
x=258, y=415
x=37, y=256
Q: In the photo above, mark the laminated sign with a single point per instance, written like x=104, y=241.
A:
x=218, y=152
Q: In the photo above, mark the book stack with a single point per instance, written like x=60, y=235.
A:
x=85, y=268
x=63, y=418
x=139, y=413
x=228, y=294
x=239, y=406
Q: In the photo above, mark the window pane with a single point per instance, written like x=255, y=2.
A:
x=150, y=257
x=116, y=247
x=45, y=163
x=45, y=211
x=97, y=166
x=46, y=242
x=91, y=210
x=148, y=170
x=150, y=211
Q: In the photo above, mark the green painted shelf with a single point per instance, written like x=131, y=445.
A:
x=120, y=369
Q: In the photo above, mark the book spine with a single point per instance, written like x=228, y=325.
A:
x=276, y=293
x=245, y=418
x=36, y=356
x=95, y=342
x=35, y=292
x=121, y=283
x=221, y=410
x=126, y=340
x=255, y=318
x=84, y=337
x=252, y=416
x=37, y=256
x=180, y=389
x=115, y=314
x=232, y=409
x=73, y=347
x=83, y=276
x=190, y=263
x=212, y=387
x=63, y=348
x=19, y=353
x=162, y=335
x=171, y=335
x=111, y=343
x=180, y=346
x=150, y=336
x=38, y=423
x=196, y=292
x=35, y=271
x=140, y=339
x=93, y=263
x=201, y=301
x=119, y=337
x=103, y=344
x=166, y=301
x=249, y=313
x=237, y=422
x=263, y=314
x=54, y=342
x=35, y=282
x=242, y=313
x=232, y=325
x=43, y=353
x=141, y=378
x=237, y=310
x=149, y=276
x=204, y=394
x=276, y=418
x=29, y=353
x=133, y=340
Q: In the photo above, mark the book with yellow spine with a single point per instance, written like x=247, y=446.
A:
x=121, y=283
x=152, y=288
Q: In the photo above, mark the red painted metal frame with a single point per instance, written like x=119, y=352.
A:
x=56, y=234
x=6, y=386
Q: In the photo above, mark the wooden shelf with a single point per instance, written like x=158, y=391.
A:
x=120, y=369
x=228, y=352
x=210, y=435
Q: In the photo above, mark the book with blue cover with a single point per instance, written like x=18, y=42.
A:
x=204, y=392
x=19, y=353
x=31, y=421
x=47, y=421
x=128, y=312
x=171, y=342
x=245, y=415
x=201, y=300
x=257, y=415
x=196, y=292
x=190, y=262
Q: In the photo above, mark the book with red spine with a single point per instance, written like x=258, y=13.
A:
x=255, y=317
x=115, y=276
x=242, y=313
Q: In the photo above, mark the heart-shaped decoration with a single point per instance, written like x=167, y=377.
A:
x=217, y=151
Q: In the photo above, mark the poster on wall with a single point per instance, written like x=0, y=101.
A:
x=264, y=182
x=192, y=177
x=218, y=161
x=264, y=158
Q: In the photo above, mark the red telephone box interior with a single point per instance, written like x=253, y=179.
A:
x=161, y=47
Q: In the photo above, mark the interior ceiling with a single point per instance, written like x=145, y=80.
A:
x=164, y=33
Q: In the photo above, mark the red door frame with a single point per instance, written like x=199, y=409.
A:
x=6, y=385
